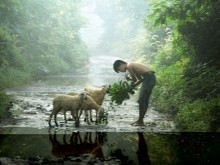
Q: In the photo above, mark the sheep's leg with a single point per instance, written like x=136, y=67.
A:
x=78, y=117
x=74, y=115
x=96, y=117
x=49, y=121
x=91, y=116
x=55, y=119
x=80, y=113
x=87, y=115
x=65, y=116
x=85, y=118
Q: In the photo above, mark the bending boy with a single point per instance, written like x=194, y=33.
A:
x=139, y=73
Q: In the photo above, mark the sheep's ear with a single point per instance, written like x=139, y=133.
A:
x=89, y=94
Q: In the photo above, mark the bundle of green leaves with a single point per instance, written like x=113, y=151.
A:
x=119, y=91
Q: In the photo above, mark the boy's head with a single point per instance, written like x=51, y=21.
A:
x=119, y=65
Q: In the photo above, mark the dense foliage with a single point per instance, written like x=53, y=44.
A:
x=4, y=103
x=188, y=66
x=38, y=38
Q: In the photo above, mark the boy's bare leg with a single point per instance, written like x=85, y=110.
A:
x=140, y=121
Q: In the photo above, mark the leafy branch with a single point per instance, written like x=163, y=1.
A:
x=120, y=91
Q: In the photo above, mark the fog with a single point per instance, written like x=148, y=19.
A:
x=92, y=32
x=112, y=25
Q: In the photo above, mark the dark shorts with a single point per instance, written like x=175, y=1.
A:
x=146, y=89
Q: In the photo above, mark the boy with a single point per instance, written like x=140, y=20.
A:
x=139, y=73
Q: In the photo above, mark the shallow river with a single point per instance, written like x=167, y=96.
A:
x=26, y=137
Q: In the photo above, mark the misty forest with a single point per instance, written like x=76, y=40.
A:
x=178, y=39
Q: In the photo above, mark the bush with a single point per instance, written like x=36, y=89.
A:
x=12, y=77
x=4, y=102
x=168, y=93
x=199, y=115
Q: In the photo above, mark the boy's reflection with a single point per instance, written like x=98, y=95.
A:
x=91, y=143
x=142, y=152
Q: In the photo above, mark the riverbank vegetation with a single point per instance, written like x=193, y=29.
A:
x=188, y=63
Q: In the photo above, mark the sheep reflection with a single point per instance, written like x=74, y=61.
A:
x=64, y=145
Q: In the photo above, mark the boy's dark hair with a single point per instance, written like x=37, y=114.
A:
x=117, y=63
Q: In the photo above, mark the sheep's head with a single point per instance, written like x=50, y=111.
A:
x=104, y=89
x=100, y=114
x=83, y=96
x=98, y=90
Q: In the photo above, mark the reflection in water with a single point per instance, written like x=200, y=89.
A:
x=142, y=152
x=111, y=148
x=77, y=144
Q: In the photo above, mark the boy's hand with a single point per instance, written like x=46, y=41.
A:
x=132, y=85
x=127, y=78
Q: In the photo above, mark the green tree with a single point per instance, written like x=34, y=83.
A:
x=195, y=37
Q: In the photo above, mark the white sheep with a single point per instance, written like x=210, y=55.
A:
x=76, y=94
x=89, y=104
x=67, y=103
x=98, y=95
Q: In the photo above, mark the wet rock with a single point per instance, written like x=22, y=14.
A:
x=30, y=112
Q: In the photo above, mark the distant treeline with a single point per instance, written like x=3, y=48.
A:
x=39, y=37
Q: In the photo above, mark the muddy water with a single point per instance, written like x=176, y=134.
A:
x=25, y=138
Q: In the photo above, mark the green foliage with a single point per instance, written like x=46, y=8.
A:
x=200, y=115
x=164, y=145
x=168, y=93
x=188, y=66
x=120, y=91
x=4, y=102
x=13, y=67
x=40, y=37
x=12, y=77
x=202, y=81
x=196, y=20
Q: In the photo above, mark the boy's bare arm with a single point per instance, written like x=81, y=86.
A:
x=136, y=78
x=132, y=76
x=138, y=82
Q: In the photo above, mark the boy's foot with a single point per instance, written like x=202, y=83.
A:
x=138, y=123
